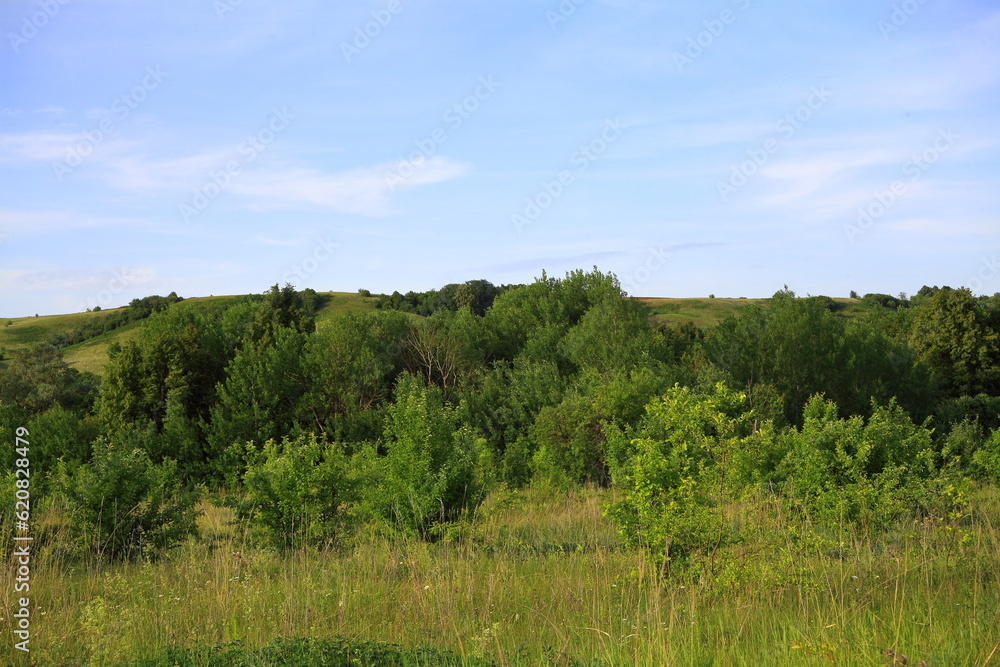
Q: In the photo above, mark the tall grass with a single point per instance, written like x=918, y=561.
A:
x=538, y=577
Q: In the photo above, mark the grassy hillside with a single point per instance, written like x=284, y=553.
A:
x=703, y=312
x=709, y=312
x=92, y=354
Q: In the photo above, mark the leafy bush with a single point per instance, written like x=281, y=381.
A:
x=298, y=491
x=434, y=468
x=986, y=460
x=122, y=505
x=570, y=440
x=868, y=473
x=678, y=472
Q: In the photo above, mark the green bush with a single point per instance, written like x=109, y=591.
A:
x=122, y=505
x=986, y=460
x=679, y=470
x=298, y=491
x=336, y=652
x=570, y=440
x=868, y=473
x=434, y=468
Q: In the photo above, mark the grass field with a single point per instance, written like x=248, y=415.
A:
x=538, y=578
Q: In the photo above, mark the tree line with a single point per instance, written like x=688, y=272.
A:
x=408, y=419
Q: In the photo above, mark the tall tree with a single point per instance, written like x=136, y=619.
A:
x=952, y=334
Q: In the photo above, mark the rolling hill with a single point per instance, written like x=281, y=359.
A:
x=92, y=354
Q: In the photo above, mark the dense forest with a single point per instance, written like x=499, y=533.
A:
x=410, y=420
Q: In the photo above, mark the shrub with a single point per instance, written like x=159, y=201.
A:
x=677, y=472
x=122, y=505
x=986, y=460
x=870, y=474
x=434, y=468
x=298, y=491
x=570, y=440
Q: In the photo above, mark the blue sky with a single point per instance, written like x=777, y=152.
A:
x=725, y=147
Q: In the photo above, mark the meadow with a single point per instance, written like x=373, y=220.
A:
x=537, y=577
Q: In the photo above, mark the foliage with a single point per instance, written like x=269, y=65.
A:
x=476, y=295
x=260, y=397
x=177, y=361
x=504, y=404
x=122, y=505
x=38, y=379
x=297, y=491
x=951, y=334
x=335, y=652
x=58, y=435
x=800, y=348
x=868, y=473
x=428, y=475
x=283, y=308
x=351, y=366
x=612, y=334
x=986, y=460
x=570, y=440
x=678, y=473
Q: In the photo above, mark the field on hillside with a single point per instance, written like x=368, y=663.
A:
x=709, y=312
x=535, y=578
x=92, y=354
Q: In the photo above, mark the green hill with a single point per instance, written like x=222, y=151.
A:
x=709, y=312
x=92, y=354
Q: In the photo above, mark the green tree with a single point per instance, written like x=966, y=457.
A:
x=260, y=397
x=799, y=348
x=687, y=457
x=176, y=361
x=38, y=379
x=350, y=366
x=283, y=308
x=951, y=334
x=614, y=333
x=298, y=491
